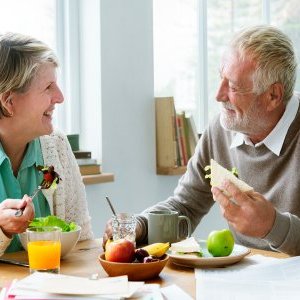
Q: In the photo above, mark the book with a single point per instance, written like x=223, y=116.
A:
x=181, y=138
x=176, y=137
x=166, y=144
x=74, y=141
x=86, y=161
x=179, y=145
x=189, y=150
x=90, y=169
x=192, y=135
x=82, y=154
x=193, y=127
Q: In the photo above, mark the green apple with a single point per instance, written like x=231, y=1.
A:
x=220, y=242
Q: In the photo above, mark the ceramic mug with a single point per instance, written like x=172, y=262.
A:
x=163, y=226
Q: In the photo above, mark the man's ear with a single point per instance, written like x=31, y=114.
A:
x=275, y=96
x=7, y=103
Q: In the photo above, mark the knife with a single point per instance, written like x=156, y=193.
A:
x=14, y=262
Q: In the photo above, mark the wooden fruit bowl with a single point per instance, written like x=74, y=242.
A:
x=134, y=271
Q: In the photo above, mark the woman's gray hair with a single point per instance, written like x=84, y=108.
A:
x=274, y=54
x=20, y=58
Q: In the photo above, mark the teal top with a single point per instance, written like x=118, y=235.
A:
x=28, y=179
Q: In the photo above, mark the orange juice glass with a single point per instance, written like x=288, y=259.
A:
x=44, y=247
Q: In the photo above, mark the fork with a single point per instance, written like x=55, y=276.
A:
x=19, y=212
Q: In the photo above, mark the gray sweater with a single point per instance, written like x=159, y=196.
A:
x=275, y=177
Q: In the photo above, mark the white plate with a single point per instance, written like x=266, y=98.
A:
x=207, y=260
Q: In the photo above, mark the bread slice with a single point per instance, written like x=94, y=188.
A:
x=219, y=174
x=188, y=245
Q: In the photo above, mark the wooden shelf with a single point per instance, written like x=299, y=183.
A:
x=170, y=170
x=98, y=178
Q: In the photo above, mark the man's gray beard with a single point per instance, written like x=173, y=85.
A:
x=246, y=125
x=232, y=124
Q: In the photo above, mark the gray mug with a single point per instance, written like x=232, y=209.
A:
x=163, y=226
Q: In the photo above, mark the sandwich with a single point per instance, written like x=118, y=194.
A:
x=219, y=174
x=187, y=246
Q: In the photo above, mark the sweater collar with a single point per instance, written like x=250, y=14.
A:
x=276, y=137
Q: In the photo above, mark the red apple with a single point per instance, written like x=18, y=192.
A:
x=120, y=251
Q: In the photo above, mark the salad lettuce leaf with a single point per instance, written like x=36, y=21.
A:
x=53, y=221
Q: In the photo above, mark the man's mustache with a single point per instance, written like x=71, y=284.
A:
x=228, y=105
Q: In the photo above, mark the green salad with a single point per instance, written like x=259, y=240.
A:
x=53, y=221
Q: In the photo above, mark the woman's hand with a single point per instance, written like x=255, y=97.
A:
x=9, y=223
x=249, y=213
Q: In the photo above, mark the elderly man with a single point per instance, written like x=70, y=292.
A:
x=257, y=132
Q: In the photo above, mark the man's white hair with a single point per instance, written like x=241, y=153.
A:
x=274, y=55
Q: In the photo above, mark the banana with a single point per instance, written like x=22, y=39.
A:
x=157, y=249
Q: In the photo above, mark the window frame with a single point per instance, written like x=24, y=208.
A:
x=76, y=45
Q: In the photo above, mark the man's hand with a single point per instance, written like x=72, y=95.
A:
x=9, y=223
x=249, y=213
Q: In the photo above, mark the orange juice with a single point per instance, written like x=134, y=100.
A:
x=44, y=255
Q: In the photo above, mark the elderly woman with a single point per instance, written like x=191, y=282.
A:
x=28, y=95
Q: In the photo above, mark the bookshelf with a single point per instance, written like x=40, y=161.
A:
x=170, y=170
x=98, y=178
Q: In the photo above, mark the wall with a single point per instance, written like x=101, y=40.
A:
x=128, y=127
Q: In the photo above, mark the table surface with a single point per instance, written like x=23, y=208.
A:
x=82, y=261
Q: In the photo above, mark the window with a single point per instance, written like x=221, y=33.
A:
x=31, y=17
x=65, y=27
x=23, y=16
x=189, y=39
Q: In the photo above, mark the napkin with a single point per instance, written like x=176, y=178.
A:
x=43, y=285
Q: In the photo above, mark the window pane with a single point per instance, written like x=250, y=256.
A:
x=224, y=18
x=32, y=17
x=285, y=15
x=175, y=50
